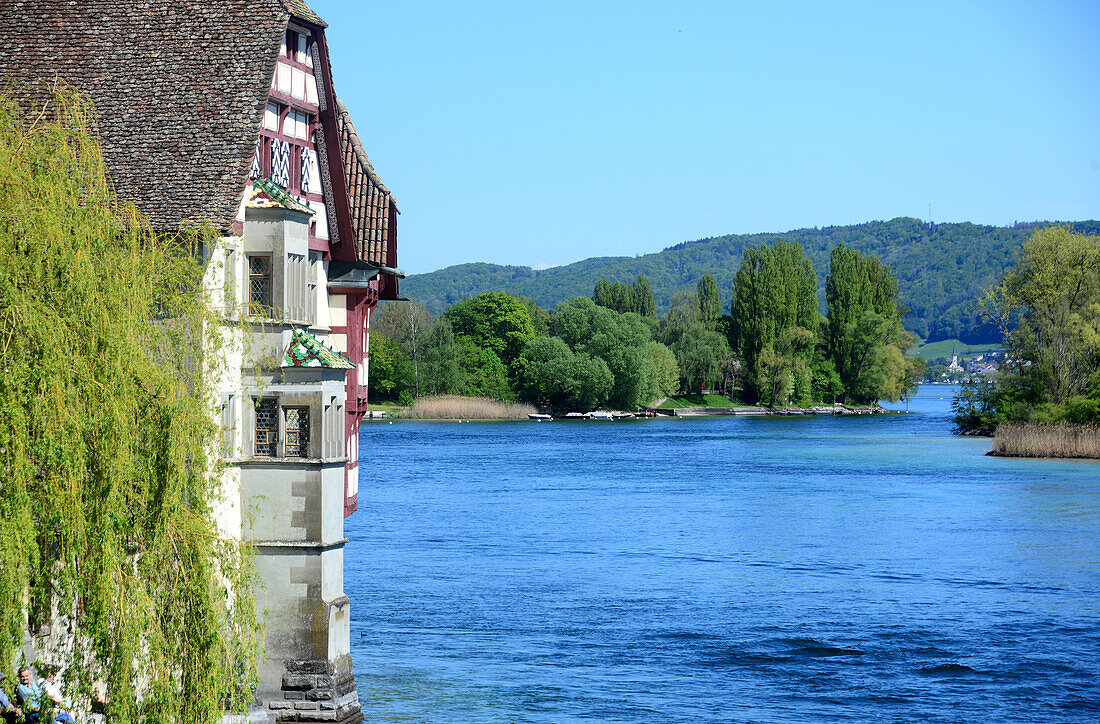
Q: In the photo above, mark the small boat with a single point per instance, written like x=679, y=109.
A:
x=601, y=415
x=539, y=417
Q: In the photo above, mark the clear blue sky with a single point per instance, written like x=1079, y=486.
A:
x=538, y=134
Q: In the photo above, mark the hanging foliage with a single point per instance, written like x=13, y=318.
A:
x=108, y=440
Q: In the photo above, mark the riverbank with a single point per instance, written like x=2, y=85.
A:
x=452, y=407
x=1033, y=440
x=749, y=411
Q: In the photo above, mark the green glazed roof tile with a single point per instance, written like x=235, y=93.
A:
x=278, y=195
x=305, y=350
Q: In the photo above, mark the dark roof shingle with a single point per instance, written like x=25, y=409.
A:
x=299, y=9
x=179, y=89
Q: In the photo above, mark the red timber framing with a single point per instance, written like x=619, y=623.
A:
x=348, y=244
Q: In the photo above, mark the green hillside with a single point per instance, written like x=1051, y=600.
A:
x=940, y=269
x=942, y=349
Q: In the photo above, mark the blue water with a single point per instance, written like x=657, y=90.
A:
x=722, y=569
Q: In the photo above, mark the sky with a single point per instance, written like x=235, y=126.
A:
x=539, y=134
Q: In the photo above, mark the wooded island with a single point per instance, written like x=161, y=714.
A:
x=773, y=347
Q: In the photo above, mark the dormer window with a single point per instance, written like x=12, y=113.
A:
x=296, y=44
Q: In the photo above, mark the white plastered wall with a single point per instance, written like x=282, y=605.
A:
x=224, y=267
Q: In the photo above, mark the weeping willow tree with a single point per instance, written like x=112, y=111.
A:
x=108, y=465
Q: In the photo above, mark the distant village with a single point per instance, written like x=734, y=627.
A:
x=946, y=371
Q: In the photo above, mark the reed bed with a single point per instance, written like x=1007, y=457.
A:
x=1032, y=440
x=453, y=407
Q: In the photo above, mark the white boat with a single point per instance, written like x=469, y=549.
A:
x=601, y=415
x=534, y=416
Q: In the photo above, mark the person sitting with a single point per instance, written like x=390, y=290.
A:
x=9, y=712
x=29, y=696
x=52, y=689
x=33, y=700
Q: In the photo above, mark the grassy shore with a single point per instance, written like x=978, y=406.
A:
x=389, y=408
x=1064, y=440
x=452, y=407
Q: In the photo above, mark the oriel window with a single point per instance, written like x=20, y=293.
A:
x=259, y=283
x=297, y=431
x=267, y=427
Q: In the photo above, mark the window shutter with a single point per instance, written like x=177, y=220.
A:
x=280, y=167
x=305, y=170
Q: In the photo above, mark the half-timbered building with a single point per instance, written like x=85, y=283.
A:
x=225, y=112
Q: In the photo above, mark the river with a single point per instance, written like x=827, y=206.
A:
x=722, y=569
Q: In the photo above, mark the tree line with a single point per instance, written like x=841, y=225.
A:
x=579, y=357
x=612, y=350
x=940, y=269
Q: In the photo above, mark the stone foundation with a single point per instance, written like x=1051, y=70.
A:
x=313, y=691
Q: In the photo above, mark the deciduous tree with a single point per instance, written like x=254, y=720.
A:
x=1048, y=309
x=407, y=324
x=774, y=289
x=495, y=321
x=443, y=373
x=865, y=337
x=390, y=370
x=552, y=376
x=666, y=372
x=710, y=308
x=617, y=339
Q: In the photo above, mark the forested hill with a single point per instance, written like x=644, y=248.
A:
x=940, y=269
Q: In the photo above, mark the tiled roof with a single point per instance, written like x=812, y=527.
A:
x=179, y=88
x=372, y=204
x=305, y=350
x=299, y=9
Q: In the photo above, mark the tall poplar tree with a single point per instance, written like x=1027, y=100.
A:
x=864, y=333
x=775, y=289
x=709, y=305
x=644, y=303
x=601, y=295
x=621, y=297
